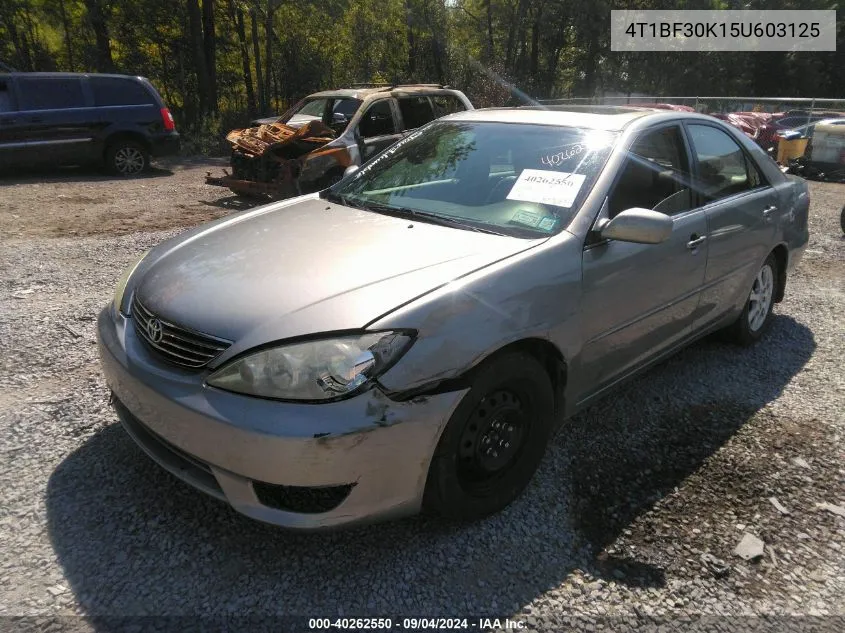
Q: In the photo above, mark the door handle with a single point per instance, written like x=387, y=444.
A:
x=36, y=120
x=695, y=241
x=7, y=121
x=767, y=212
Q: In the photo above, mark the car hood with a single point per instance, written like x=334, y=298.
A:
x=311, y=266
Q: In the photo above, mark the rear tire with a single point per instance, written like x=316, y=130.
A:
x=756, y=316
x=495, y=440
x=842, y=219
x=127, y=158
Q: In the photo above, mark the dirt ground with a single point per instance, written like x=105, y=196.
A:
x=85, y=201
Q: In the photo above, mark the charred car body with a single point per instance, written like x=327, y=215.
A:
x=310, y=146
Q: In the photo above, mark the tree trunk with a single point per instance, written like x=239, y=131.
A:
x=268, y=52
x=198, y=54
x=209, y=39
x=68, y=42
x=98, y=20
x=237, y=17
x=256, y=49
x=412, y=52
x=489, y=30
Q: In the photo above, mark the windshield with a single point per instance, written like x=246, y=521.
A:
x=334, y=112
x=515, y=179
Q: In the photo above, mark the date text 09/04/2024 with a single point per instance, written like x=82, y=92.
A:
x=413, y=624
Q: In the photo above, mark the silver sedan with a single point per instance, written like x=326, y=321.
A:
x=411, y=337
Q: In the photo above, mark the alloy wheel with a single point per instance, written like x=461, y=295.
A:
x=129, y=160
x=760, y=299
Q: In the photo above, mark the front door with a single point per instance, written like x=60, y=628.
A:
x=640, y=299
x=13, y=149
x=377, y=129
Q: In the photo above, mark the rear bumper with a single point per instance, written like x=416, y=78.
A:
x=357, y=460
x=165, y=144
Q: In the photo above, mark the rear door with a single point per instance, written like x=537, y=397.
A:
x=415, y=112
x=377, y=129
x=741, y=209
x=59, y=122
x=640, y=300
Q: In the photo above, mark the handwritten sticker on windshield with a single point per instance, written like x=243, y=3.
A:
x=558, y=188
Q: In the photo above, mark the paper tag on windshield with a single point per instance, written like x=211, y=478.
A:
x=559, y=188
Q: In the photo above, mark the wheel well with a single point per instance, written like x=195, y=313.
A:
x=781, y=257
x=548, y=355
x=125, y=136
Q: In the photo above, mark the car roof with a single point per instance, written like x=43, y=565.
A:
x=608, y=118
x=48, y=75
x=371, y=92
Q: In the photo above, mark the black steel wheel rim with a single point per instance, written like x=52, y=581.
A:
x=492, y=440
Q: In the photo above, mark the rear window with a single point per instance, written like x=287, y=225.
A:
x=416, y=111
x=42, y=93
x=113, y=91
x=447, y=104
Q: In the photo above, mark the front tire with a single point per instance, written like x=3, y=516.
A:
x=756, y=316
x=495, y=440
x=127, y=158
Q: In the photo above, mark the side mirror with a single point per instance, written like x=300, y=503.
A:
x=350, y=170
x=641, y=226
x=339, y=117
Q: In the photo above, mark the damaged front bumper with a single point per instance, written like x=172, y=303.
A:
x=304, y=466
x=278, y=161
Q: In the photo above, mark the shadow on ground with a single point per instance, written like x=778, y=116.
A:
x=81, y=173
x=133, y=540
x=160, y=168
x=235, y=203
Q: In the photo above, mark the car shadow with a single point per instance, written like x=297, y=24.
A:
x=235, y=203
x=75, y=173
x=135, y=541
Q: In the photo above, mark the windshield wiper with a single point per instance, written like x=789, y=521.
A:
x=425, y=216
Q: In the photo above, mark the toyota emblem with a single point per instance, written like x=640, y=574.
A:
x=154, y=330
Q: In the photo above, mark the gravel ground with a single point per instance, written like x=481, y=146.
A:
x=632, y=497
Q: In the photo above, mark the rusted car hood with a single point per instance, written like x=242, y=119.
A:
x=255, y=140
x=306, y=268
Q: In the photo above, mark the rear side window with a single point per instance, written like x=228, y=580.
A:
x=5, y=97
x=112, y=91
x=41, y=93
x=723, y=169
x=447, y=104
x=416, y=111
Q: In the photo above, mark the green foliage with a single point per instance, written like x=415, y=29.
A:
x=497, y=51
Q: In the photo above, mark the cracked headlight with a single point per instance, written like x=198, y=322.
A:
x=324, y=369
x=120, y=289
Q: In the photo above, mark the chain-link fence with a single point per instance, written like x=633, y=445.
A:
x=811, y=106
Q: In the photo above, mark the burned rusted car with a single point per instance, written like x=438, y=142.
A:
x=310, y=146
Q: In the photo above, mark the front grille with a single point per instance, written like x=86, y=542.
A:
x=176, y=344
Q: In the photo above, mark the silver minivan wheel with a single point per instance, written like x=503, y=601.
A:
x=127, y=158
x=760, y=298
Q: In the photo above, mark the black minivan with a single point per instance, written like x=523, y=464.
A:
x=74, y=118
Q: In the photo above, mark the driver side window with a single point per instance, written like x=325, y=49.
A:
x=655, y=175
